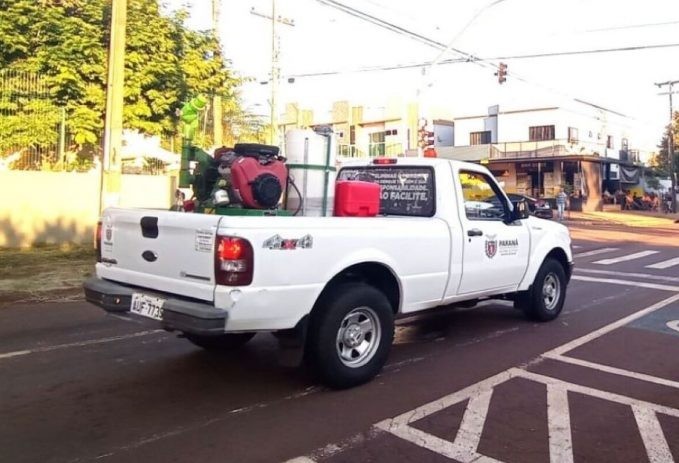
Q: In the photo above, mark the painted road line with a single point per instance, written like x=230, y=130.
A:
x=469, y=435
x=665, y=264
x=605, y=395
x=89, y=342
x=559, y=425
x=628, y=257
x=558, y=413
x=646, y=276
x=673, y=325
x=612, y=370
x=464, y=447
x=652, y=434
x=638, y=284
x=569, y=346
x=595, y=252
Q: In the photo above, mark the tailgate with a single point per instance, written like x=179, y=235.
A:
x=161, y=250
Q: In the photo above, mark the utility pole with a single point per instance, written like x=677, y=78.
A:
x=217, y=111
x=670, y=144
x=113, y=125
x=275, y=67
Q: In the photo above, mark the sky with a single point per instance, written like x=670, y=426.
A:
x=327, y=40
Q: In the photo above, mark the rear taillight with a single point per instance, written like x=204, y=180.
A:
x=97, y=241
x=234, y=261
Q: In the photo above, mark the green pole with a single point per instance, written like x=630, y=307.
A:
x=326, y=177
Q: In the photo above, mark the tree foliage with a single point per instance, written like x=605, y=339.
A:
x=66, y=43
x=660, y=163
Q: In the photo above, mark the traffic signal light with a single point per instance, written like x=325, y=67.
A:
x=501, y=73
x=430, y=138
x=426, y=138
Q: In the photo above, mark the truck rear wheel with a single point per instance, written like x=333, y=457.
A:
x=350, y=335
x=545, y=300
x=220, y=342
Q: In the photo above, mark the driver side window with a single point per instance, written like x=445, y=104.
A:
x=480, y=200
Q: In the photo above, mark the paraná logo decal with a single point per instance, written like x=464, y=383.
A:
x=491, y=246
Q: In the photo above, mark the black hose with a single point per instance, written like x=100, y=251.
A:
x=299, y=195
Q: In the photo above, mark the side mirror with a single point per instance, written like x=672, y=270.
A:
x=520, y=211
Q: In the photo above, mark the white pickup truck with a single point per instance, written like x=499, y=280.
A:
x=331, y=287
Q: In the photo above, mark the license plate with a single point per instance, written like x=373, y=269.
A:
x=147, y=306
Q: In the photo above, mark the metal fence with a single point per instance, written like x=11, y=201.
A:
x=33, y=133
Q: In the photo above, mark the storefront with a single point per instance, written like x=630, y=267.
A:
x=583, y=178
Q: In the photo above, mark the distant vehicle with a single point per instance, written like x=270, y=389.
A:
x=537, y=207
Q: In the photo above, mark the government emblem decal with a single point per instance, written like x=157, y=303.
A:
x=491, y=246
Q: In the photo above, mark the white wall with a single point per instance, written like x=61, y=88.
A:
x=593, y=125
x=63, y=207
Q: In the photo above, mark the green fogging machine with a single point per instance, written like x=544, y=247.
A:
x=248, y=179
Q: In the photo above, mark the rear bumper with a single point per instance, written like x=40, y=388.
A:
x=179, y=314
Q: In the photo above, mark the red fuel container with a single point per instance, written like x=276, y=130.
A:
x=356, y=199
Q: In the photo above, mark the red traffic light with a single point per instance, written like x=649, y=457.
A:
x=501, y=73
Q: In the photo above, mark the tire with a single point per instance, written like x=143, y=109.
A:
x=221, y=342
x=546, y=297
x=350, y=335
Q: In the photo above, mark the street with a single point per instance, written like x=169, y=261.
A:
x=600, y=383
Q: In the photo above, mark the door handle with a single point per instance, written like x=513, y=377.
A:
x=474, y=232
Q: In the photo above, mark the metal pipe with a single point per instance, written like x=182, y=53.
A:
x=305, y=177
x=326, y=175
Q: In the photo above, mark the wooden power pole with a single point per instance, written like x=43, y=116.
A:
x=113, y=125
x=670, y=145
x=217, y=111
x=275, y=66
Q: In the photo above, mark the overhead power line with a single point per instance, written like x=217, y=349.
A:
x=469, y=57
x=391, y=67
x=632, y=26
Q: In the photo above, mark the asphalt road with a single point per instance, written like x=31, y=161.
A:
x=601, y=383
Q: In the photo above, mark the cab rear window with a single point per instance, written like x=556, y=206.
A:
x=404, y=190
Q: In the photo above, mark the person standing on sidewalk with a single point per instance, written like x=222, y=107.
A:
x=561, y=199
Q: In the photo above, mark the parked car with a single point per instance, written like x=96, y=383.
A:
x=537, y=207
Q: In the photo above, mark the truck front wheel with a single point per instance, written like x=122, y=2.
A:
x=350, y=335
x=545, y=299
x=221, y=342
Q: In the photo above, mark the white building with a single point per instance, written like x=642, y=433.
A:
x=535, y=151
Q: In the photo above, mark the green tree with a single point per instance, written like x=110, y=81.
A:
x=66, y=42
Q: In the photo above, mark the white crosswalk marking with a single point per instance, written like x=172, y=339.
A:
x=652, y=434
x=665, y=264
x=559, y=423
x=595, y=252
x=636, y=255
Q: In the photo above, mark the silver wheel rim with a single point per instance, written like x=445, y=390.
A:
x=358, y=337
x=551, y=290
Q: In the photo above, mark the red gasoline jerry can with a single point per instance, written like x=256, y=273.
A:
x=356, y=199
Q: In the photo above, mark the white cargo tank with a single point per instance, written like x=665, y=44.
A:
x=311, y=162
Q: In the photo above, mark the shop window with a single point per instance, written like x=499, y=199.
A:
x=573, y=135
x=479, y=138
x=541, y=132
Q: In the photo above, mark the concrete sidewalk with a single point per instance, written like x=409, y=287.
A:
x=641, y=219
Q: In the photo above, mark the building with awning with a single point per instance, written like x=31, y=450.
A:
x=584, y=149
